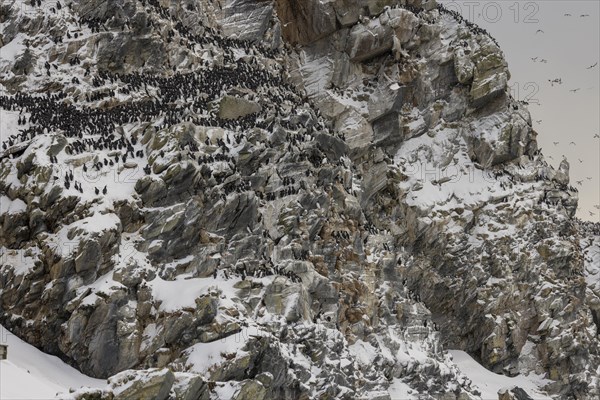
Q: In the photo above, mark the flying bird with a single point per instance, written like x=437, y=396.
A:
x=557, y=80
x=556, y=143
x=591, y=214
x=580, y=183
x=589, y=178
x=543, y=61
x=584, y=15
x=574, y=90
x=539, y=31
x=534, y=59
x=539, y=121
x=567, y=15
x=593, y=66
x=596, y=136
x=580, y=160
x=572, y=143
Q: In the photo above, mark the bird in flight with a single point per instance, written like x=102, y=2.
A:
x=539, y=31
x=580, y=161
x=580, y=183
x=539, y=121
x=572, y=143
x=543, y=61
x=556, y=143
x=593, y=66
x=584, y=15
x=567, y=15
x=534, y=59
x=591, y=214
x=597, y=206
x=557, y=80
x=589, y=178
x=596, y=136
x=574, y=90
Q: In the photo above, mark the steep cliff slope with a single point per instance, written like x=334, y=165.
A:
x=30, y=374
x=281, y=199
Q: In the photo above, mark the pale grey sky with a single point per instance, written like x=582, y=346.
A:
x=570, y=45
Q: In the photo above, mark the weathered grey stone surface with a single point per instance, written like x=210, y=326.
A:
x=155, y=384
x=300, y=196
x=235, y=107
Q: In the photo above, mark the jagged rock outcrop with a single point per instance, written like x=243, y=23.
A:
x=282, y=199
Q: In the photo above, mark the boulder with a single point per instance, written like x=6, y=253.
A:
x=121, y=52
x=490, y=75
x=191, y=388
x=251, y=15
x=235, y=107
x=562, y=175
x=289, y=301
x=463, y=66
x=251, y=390
x=151, y=189
x=149, y=384
x=515, y=393
x=304, y=22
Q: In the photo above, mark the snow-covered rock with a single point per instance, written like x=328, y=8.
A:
x=283, y=199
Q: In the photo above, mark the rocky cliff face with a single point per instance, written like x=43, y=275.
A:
x=282, y=199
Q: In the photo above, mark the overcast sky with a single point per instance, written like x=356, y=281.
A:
x=570, y=45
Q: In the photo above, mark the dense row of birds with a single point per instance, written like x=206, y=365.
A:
x=473, y=28
x=188, y=97
x=264, y=269
x=177, y=98
x=92, y=127
x=55, y=115
x=171, y=105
